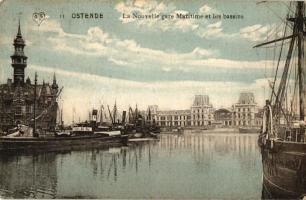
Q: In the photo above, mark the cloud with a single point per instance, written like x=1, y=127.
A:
x=203, y=28
x=128, y=53
x=259, y=32
x=49, y=26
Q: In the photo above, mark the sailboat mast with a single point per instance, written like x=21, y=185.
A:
x=115, y=112
x=62, y=122
x=300, y=43
x=34, y=109
x=101, y=114
x=110, y=115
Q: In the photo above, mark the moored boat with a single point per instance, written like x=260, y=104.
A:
x=57, y=143
x=82, y=129
x=26, y=138
x=141, y=127
x=250, y=129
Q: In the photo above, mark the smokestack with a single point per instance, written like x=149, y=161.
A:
x=94, y=115
x=123, y=117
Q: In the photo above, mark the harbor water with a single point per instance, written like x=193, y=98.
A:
x=193, y=165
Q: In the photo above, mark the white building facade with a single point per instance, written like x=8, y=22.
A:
x=202, y=112
x=244, y=112
x=173, y=118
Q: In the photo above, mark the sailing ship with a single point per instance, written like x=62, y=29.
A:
x=141, y=126
x=282, y=138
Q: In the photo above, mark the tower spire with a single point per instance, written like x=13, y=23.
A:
x=19, y=30
x=54, y=84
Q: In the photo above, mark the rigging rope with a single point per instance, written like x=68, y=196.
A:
x=280, y=55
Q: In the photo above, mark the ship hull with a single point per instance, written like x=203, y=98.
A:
x=58, y=143
x=284, y=169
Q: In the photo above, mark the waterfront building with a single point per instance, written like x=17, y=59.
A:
x=173, y=118
x=244, y=111
x=201, y=109
x=17, y=96
x=223, y=117
x=202, y=112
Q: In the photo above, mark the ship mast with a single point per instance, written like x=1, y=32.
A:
x=298, y=35
x=34, y=113
x=300, y=42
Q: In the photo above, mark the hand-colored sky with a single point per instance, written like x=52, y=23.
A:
x=163, y=62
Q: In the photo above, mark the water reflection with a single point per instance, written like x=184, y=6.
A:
x=32, y=176
x=205, y=148
x=178, y=166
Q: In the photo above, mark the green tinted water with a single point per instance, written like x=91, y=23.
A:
x=189, y=166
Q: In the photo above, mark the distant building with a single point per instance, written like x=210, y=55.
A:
x=244, y=111
x=173, y=118
x=201, y=111
x=200, y=114
x=152, y=109
x=223, y=117
x=17, y=95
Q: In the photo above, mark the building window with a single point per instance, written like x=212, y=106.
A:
x=18, y=110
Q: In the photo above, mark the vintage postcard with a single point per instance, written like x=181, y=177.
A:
x=139, y=99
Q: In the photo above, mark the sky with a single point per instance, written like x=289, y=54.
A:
x=144, y=61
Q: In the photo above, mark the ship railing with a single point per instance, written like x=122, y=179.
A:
x=294, y=135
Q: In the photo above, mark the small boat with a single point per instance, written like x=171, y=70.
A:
x=137, y=135
x=251, y=129
x=108, y=132
x=143, y=139
x=154, y=135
